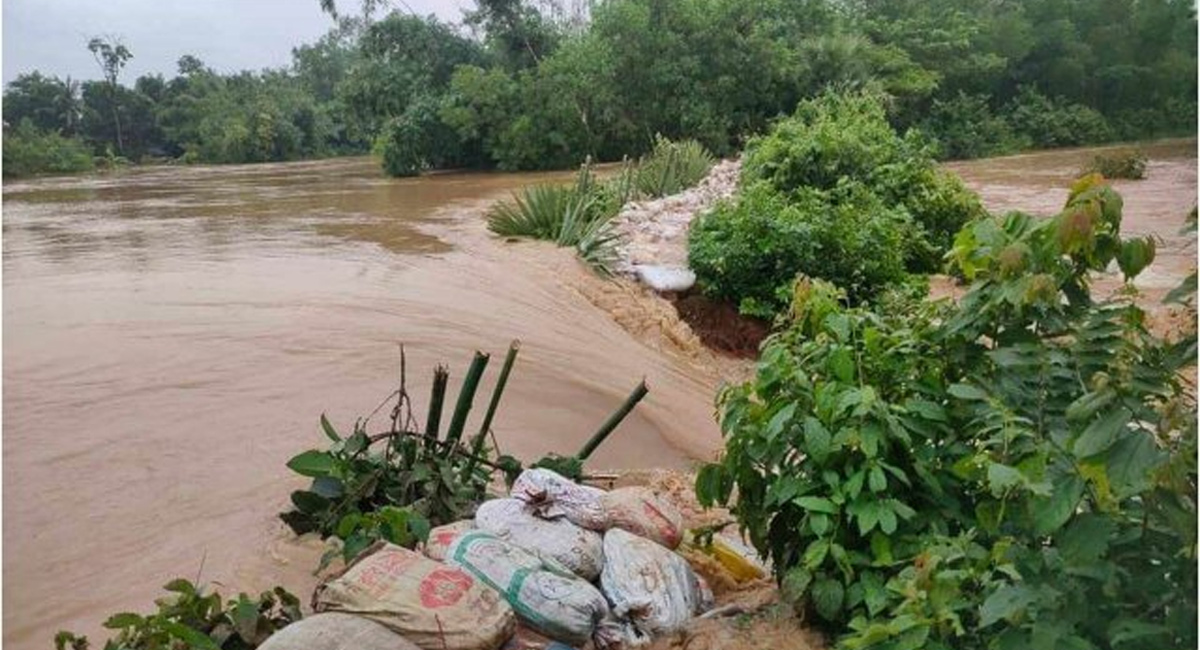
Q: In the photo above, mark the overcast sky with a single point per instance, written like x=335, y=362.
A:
x=228, y=35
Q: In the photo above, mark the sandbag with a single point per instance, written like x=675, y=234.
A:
x=336, y=632
x=441, y=537
x=639, y=511
x=437, y=607
x=578, y=549
x=653, y=587
x=552, y=495
x=527, y=639
x=551, y=601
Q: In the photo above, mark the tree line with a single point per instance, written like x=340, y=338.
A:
x=534, y=84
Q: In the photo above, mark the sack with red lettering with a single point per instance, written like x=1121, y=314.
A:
x=639, y=511
x=558, y=540
x=552, y=495
x=435, y=606
x=442, y=537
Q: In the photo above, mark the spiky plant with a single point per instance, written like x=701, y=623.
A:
x=672, y=167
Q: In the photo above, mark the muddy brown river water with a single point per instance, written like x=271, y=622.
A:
x=171, y=336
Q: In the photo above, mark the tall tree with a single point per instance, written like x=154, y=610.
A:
x=111, y=55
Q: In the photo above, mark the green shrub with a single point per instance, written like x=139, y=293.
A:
x=749, y=249
x=965, y=127
x=834, y=193
x=1055, y=122
x=672, y=167
x=1015, y=470
x=28, y=151
x=1128, y=165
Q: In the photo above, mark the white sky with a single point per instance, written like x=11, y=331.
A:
x=228, y=35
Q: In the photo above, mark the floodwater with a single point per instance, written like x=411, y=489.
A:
x=172, y=335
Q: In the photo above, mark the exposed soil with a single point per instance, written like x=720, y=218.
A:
x=719, y=324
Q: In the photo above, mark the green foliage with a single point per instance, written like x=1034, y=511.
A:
x=29, y=150
x=672, y=167
x=191, y=618
x=1128, y=165
x=965, y=127
x=832, y=193
x=1015, y=470
x=1056, y=122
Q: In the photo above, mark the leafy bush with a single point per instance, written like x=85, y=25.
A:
x=1056, y=122
x=1015, y=470
x=746, y=250
x=1129, y=165
x=672, y=167
x=965, y=127
x=836, y=194
x=29, y=151
x=193, y=619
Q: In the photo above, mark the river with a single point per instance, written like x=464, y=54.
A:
x=171, y=336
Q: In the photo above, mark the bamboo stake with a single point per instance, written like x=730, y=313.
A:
x=613, y=420
x=501, y=381
x=441, y=375
x=466, y=397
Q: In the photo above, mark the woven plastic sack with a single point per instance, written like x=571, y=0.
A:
x=552, y=495
x=578, y=549
x=639, y=511
x=336, y=632
x=545, y=598
x=436, y=607
x=652, y=587
x=441, y=537
x=527, y=639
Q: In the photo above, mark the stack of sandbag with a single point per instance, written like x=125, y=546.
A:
x=546, y=597
x=635, y=509
x=558, y=540
x=441, y=537
x=435, y=606
x=336, y=632
x=650, y=586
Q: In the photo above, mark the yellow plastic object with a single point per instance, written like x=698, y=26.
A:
x=734, y=560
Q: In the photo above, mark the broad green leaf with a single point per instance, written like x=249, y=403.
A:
x=841, y=364
x=817, y=504
x=310, y=503
x=967, y=392
x=327, y=486
x=245, y=619
x=819, y=524
x=1086, y=539
x=887, y=519
x=311, y=463
x=779, y=421
x=195, y=640
x=881, y=548
x=827, y=596
x=1001, y=477
x=876, y=479
x=1102, y=432
x=816, y=439
x=1050, y=514
x=1004, y=603
x=330, y=432
x=180, y=586
x=874, y=594
x=795, y=584
x=815, y=554
x=1130, y=462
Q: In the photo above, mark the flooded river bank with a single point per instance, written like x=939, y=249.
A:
x=172, y=335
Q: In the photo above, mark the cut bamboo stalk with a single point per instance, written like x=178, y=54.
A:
x=501, y=381
x=437, y=397
x=613, y=420
x=466, y=397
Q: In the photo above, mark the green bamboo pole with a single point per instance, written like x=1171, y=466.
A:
x=501, y=381
x=613, y=420
x=466, y=397
x=437, y=397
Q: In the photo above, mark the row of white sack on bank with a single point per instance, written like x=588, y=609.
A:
x=526, y=558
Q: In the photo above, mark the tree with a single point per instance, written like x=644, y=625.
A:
x=111, y=55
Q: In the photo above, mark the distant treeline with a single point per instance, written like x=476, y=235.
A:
x=533, y=84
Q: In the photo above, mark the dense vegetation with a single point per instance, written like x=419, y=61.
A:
x=834, y=193
x=525, y=84
x=1013, y=470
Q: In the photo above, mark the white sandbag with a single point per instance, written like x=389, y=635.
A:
x=553, y=495
x=555, y=603
x=665, y=278
x=639, y=511
x=578, y=549
x=336, y=632
x=652, y=587
x=441, y=537
x=436, y=607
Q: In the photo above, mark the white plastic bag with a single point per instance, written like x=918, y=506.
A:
x=552, y=495
x=545, y=598
x=578, y=549
x=336, y=632
x=651, y=586
x=437, y=607
x=639, y=511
